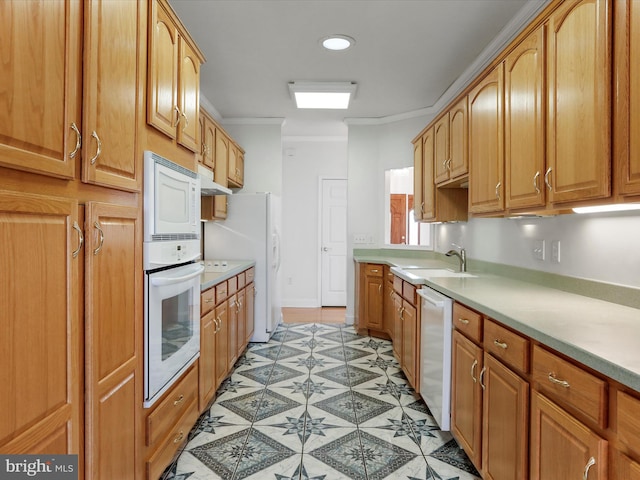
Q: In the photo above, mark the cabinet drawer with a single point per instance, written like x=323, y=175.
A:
x=250, y=275
x=373, y=270
x=467, y=321
x=506, y=345
x=570, y=384
x=397, y=284
x=207, y=301
x=388, y=274
x=409, y=293
x=629, y=421
x=163, y=456
x=222, y=292
x=241, y=281
x=232, y=285
x=165, y=416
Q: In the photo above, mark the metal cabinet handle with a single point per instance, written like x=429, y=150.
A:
x=375, y=270
x=422, y=208
x=498, y=190
x=448, y=165
x=177, y=110
x=99, y=247
x=219, y=324
x=209, y=300
x=179, y=437
x=501, y=344
x=482, y=372
x=463, y=321
x=99, y=149
x=78, y=140
x=178, y=400
x=186, y=120
x=553, y=379
x=590, y=463
x=535, y=181
x=379, y=288
x=546, y=179
x=402, y=314
x=80, y=239
x=473, y=369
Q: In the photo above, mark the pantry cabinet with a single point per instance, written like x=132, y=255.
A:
x=42, y=338
x=579, y=132
x=486, y=152
x=524, y=124
x=173, y=97
x=113, y=335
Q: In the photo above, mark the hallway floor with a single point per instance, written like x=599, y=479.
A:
x=319, y=402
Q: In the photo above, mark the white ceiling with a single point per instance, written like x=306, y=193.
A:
x=407, y=52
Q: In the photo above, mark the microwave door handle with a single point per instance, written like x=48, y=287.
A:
x=162, y=281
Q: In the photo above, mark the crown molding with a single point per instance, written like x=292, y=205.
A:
x=253, y=121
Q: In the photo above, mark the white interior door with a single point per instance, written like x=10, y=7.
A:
x=333, y=248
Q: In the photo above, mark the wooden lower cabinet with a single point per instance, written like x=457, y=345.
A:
x=409, y=355
x=250, y=301
x=466, y=396
x=626, y=469
x=505, y=422
x=222, y=341
x=563, y=447
x=371, y=300
x=241, y=339
x=207, y=361
x=397, y=325
x=232, y=331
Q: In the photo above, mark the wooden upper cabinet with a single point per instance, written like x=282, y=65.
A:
x=113, y=73
x=236, y=165
x=428, y=186
x=486, y=152
x=208, y=140
x=524, y=124
x=173, y=77
x=627, y=79
x=40, y=124
x=459, y=139
x=418, y=178
x=579, y=118
x=441, y=149
x=40, y=323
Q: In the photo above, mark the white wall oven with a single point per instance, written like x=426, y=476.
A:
x=172, y=276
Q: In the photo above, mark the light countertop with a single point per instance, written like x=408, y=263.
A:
x=602, y=335
x=211, y=279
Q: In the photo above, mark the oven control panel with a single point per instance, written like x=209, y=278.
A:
x=173, y=252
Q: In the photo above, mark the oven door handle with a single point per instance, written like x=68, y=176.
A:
x=170, y=280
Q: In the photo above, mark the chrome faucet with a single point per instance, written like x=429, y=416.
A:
x=462, y=255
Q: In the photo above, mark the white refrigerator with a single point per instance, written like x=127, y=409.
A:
x=251, y=232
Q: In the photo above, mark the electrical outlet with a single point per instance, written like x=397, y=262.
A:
x=539, y=249
x=555, y=251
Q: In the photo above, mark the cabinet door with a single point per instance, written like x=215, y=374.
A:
x=162, y=71
x=397, y=327
x=505, y=419
x=232, y=172
x=486, y=153
x=579, y=132
x=222, y=362
x=561, y=446
x=626, y=469
x=459, y=139
x=373, y=301
x=242, y=314
x=627, y=80
x=188, y=96
x=441, y=149
x=409, y=339
x=240, y=169
x=428, y=184
x=387, y=303
x=209, y=143
x=232, y=331
x=466, y=396
x=250, y=300
x=114, y=50
x=207, y=361
x=113, y=337
x=524, y=133
x=418, y=175
x=40, y=123
x=41, y=364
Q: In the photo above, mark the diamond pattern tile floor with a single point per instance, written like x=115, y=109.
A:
x=319, y=402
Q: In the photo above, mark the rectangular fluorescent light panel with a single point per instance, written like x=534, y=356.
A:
x=620, y=207
x=326, y=95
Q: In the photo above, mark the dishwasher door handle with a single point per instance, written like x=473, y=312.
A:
x=432, y=299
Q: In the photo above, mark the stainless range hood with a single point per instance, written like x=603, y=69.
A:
x=207, y=186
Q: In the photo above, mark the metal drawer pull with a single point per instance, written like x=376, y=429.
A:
x=78, y=140
x=97, y=225
x=482, y=372
x=208, y=300
x=473, y=369
x=80, y=239
x=379, y=288
x=99, y=149
x=374, y=270
x=179, y=437
x=590, y=463
x=463, y=321
x=553, y=379
x=500, y=344
x=178, y=400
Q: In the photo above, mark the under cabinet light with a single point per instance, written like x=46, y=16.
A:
x=327, y=95
x=618, y=207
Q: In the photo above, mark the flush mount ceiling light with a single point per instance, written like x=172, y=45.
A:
x=327, y=95
x=337, y=42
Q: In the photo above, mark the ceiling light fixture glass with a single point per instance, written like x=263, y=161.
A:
x=337, y=42
x=325, y=95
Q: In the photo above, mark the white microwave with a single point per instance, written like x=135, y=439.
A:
x=171, y=213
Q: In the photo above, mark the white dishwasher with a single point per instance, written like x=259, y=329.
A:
x=435, y=354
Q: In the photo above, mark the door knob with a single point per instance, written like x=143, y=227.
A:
x=325, y=249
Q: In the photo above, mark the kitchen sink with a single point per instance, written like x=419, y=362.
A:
x=438, y=272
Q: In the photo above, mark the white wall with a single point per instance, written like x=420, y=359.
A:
x=305, y=161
